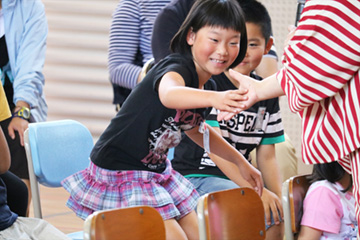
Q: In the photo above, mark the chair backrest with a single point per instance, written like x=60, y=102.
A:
x=55, y=150
x=294, y=191
x=141, y=222
x=231, y=214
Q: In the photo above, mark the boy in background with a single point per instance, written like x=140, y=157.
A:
x=258, y=127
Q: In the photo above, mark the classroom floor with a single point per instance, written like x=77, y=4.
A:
x=56, y=212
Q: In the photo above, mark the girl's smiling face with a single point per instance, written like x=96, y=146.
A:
x=213, y=49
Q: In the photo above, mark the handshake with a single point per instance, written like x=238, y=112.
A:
x=250, y=91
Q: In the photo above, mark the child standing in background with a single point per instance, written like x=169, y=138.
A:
x=129, y=164
x=329, y=205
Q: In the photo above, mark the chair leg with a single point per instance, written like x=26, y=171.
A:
x=35, y=191
x=286, y=207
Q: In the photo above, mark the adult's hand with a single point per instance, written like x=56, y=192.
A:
x=19, y=125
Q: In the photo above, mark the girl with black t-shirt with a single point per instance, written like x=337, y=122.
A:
x=129, y=164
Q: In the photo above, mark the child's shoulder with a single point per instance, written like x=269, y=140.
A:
x=324, y=187
x=176, y=61
x=176, y=57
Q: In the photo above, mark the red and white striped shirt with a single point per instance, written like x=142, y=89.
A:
x=321, y=79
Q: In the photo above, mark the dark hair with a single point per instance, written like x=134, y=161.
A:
x=255, y=12
x=219, y=13
x=331, y=172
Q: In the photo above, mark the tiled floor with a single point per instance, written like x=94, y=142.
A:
x=55, y=211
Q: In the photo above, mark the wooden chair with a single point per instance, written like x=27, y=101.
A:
x=141, y=222
x=231, y=214
x=293, y=194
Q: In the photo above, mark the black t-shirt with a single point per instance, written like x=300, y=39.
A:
x=7, y=217
x=140, y=135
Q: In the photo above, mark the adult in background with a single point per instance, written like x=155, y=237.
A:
x=23, y=34
x=130, y=49
x=320, y=78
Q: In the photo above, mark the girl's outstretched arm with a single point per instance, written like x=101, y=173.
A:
x=174, y=94
x=220, y=147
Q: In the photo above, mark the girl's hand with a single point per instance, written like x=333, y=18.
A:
x=230, y=101
x=248, y=86
x=253, y=176
x=247, y=89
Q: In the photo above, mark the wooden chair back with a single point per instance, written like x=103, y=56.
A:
x=141, y=222
x=232, y=214
x=298, y=186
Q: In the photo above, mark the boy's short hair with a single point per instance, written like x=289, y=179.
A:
x=255, y=12
x=212, y=13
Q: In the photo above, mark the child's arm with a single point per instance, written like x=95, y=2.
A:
x=307, y=233
x=219, y=146
x=229, y=168
x=173, y=94
x=4, y=153
x=268, y=166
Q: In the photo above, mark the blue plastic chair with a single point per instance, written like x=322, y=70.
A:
x=55, y=150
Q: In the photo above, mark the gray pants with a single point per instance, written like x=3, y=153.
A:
x=32, y=229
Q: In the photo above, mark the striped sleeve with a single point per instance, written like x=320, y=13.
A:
x=321, y=78
x=324, y=53
x=124, y=43
x=130, y=39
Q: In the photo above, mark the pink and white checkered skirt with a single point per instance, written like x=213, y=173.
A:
x=95, y=188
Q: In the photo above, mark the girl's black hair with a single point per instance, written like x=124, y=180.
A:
x=331, y=172
x=215, y=13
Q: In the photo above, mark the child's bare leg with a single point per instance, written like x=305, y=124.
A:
x=275, y=232
x=190, y=225
x=185, y=228
x=173, y=230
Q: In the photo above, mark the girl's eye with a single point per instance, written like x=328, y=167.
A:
x=213, y=40
x=234, y=43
